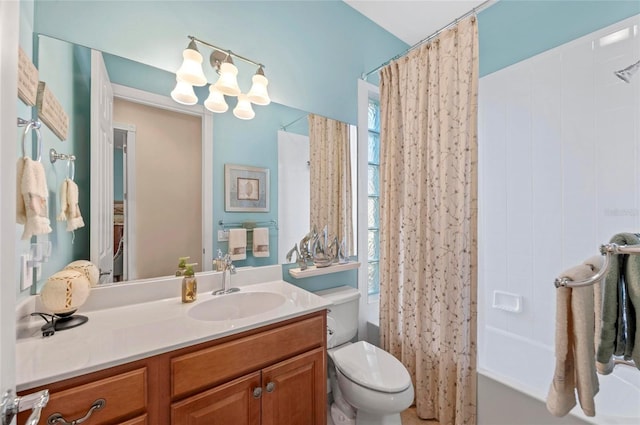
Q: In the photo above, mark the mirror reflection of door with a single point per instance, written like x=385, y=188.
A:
x=123, y=140
x=158, y=212
x=101, y=168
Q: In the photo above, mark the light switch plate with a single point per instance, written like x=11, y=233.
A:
x=223, y=235
x=26, y=273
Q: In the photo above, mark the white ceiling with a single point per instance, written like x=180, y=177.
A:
x=412, y=21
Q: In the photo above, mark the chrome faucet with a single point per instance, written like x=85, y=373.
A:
x=11, y=405
x=227, y=270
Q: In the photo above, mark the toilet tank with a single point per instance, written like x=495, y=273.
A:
x=342, y=319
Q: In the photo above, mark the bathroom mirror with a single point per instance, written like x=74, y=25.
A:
x=229, y=136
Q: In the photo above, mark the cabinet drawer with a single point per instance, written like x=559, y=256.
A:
x=125, y=395
x=140, y=420
x=220, y=363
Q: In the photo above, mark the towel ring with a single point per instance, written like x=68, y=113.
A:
x=70, y=158
x=71, y=168
x=28, y=126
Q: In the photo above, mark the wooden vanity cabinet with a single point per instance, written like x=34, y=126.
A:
x=273, y=375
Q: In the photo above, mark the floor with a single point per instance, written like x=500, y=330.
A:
x=409, y=417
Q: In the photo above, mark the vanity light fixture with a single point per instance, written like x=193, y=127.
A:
x=191, y=74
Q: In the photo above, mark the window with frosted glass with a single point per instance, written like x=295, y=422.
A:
x=373, y=204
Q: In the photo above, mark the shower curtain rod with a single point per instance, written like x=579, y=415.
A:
x=473, y=11
x=284, y=127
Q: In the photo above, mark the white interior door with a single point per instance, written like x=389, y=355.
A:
x=9, y=18
x=293, y=190
x=101, y=168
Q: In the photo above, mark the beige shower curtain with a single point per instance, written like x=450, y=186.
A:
x=428, y=215
x=330, y=175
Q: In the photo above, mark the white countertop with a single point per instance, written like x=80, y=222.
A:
x=118, y=334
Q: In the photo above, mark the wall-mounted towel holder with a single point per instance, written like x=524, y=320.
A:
x=607, y=250
x=249, y=225
x=71, y=165
x=28, y=126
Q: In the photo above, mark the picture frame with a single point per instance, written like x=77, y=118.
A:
x=246, y=188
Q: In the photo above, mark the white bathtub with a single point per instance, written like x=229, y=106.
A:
x=527, y=366
x=618, y=401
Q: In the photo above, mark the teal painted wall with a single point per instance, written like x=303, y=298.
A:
x=118, y=174
x=513, y=30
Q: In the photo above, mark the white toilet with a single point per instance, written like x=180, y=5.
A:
x=369, y=385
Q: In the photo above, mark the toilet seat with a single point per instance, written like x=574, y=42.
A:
x=372, y=367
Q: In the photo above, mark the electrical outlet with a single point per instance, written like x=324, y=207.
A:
x=223, y=235
x=26, y=273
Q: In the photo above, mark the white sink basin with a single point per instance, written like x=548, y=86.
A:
x=236, y=306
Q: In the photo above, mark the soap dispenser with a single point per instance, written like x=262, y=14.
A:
x=189, y=284
x=219, y=262
x=182, y=265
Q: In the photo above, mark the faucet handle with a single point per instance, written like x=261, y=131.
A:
x=12, y=405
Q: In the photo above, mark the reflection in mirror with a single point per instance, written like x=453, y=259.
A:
x=295, y=185
x=331, y=182
x=149, y=142
x=126, y=211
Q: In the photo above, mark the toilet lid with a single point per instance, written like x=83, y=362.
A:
x=372, y=367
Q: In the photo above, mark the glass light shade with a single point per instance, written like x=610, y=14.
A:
x=191, y=68
x=215, y=102
x=258, y=93
x=183, y=93
x=243, y=109
x=228, y=81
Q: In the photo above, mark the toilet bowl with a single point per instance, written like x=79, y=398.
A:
x=368, y=385
x=374, y=382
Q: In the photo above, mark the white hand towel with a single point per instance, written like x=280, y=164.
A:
x=69, y=207
x=34, y=194
x=238, y=244
x=261, y=242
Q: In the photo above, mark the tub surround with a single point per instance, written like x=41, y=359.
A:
x=143, y=319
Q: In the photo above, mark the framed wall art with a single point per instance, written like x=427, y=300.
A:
x=246, y=189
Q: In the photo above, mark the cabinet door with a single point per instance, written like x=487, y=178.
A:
x=230, y=403
x=294, y=391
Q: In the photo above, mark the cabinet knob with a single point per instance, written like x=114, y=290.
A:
x=257, y=392
x=271, y=386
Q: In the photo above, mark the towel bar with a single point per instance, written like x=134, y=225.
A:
x=607, y=250
x=249, y=225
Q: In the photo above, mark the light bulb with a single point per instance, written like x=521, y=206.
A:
x=228, y=82
x=191, y=68
x=215, y=102
x=183, y=93
x=258, y=93
x=243, y=109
